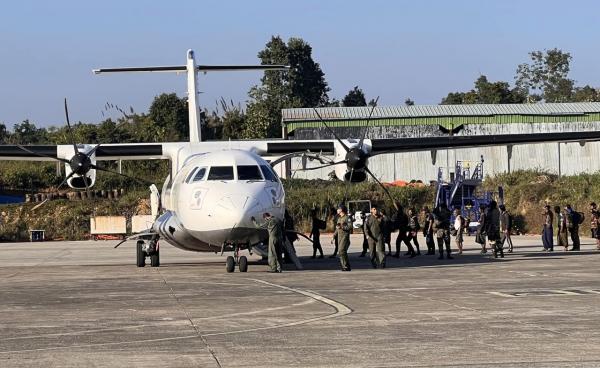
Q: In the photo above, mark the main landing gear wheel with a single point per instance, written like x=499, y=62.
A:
x=243, y=264
x=230, y=264
x=140, y=253
x=155, y=258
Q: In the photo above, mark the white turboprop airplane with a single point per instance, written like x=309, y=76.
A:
x=216, y=187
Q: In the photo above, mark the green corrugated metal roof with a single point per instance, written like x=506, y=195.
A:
x=447, y=115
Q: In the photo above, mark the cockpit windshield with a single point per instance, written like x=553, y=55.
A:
x=249, y=172
x=268, y=173
x=200, y=174
x=221, y=173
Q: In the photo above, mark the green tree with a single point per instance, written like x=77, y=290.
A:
x=546, y=77
x=4, y=133
x=27, y=133
x=486, y=92
x=355, y=97
x=303, y=85
x=586, y=94
x=170, y=114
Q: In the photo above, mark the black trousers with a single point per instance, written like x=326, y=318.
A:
x=317, y=245
x=412, y=238
x=402, y=236
x=575, y=237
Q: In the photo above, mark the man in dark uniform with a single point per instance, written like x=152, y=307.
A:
x=428, y=231
x=493, y=229
x=400, y=221
x=387, y=228
x=374, y=231
x=275, y=228
x=315, y=233
x=290, y=235
x=573, y=227
x=441, y=228
x=480, y=234
x=343, y=229
x=365, y=248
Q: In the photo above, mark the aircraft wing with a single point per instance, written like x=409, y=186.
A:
x=277, y=147
x=382, y=146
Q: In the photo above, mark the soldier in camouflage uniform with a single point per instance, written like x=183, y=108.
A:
x=343, y=229
x=275, y=228
x=375, y=235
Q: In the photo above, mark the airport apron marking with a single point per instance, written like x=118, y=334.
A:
x=531, y=293
x=340, y=310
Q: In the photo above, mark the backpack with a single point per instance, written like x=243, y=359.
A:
x=578, y=218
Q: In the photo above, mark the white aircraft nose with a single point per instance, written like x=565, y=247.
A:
x=238, y=209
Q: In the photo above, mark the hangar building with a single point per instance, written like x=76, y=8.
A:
x=425, y=121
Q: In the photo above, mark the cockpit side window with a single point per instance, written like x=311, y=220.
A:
x=268, y=173
x=190, y=175
x=221, y=173
x=200, y=174
x=249, y=172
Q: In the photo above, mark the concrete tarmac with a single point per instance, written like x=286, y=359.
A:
x=85, y=304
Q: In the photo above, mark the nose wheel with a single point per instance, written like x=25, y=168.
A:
x=236, y=259
x=147, y=248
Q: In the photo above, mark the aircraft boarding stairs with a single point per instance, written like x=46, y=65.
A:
x=460, y=191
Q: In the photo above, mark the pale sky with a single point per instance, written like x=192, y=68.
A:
x=395, y=49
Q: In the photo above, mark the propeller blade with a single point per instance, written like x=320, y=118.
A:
x=142, y=181
x=41, y=154
x=87, y=187
x=380, y=184
x=331, y=130
x=91, y=152
x=360, y=144
x=69, y=127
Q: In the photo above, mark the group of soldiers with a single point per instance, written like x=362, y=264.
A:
x=493, y=230
x=377, y=229
x=568, y=221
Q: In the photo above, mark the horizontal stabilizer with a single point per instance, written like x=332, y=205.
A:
x=176, y=68
x=227, y=68
x=183, y=68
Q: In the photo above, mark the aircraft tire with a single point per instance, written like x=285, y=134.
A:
x=155, y=259
x=243, y=264
x=230, y=264
x=141, y=255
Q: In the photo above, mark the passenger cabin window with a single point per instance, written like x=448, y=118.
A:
x=268, y=173
x=221, y=173
x=249, y=172
x=200, y=174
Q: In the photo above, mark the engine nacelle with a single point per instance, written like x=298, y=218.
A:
x=342, y=173
x=79, y=182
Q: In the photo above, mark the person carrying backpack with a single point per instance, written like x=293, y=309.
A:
x=574, y=219
x=505, y=227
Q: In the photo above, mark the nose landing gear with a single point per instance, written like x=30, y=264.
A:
x=147, y=248
x=236, y=259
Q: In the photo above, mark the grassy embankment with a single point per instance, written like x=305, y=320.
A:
x=525, y=194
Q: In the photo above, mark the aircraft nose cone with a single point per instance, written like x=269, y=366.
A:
x=239, y=208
